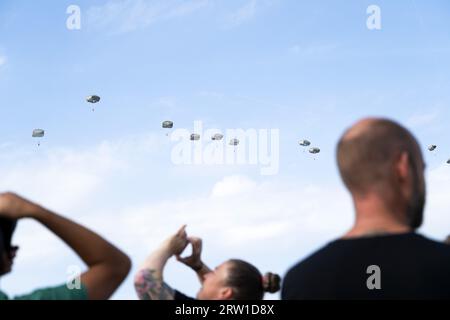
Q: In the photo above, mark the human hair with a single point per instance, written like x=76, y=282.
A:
x=248, y=283
x=366, y=154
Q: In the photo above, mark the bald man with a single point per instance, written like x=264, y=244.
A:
x=381, y=256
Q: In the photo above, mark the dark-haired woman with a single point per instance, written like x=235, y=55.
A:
x=231, y=280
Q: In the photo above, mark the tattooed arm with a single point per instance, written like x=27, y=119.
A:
x=151, y=287
x=149, y=282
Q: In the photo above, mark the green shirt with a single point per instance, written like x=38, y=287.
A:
x=55, y=293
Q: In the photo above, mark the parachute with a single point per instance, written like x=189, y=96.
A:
x=167, y=124
x=217, y=137
x=38, y=133
x=93, y=99
x=448, y=161
x=432, y=147
x=304, y=143
x=195, y=137
x=234, y=142
x=314, y=150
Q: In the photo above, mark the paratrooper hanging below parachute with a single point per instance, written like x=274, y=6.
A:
x=38, y=133
x=93, y=99
x=167, y=125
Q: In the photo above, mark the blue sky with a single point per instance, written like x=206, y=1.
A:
x=307, y=68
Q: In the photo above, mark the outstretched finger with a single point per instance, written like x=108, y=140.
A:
x=182, y=231
x=196, y=245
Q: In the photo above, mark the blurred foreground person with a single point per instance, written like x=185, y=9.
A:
x=232, y=280
x=447, y=241
x=107, y=265
x=381, y=257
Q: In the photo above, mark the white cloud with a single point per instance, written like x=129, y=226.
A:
x=247, y=12
x=232, y=185
x=186, y=8
x=258, y=213
x=243, y=14
x=121, y=16
x=63, y=177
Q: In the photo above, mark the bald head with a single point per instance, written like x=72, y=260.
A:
x=367, y=153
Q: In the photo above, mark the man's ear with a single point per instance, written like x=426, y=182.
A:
x=226, y=293
x=402, y=167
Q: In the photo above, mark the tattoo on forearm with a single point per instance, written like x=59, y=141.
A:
x=150, y=286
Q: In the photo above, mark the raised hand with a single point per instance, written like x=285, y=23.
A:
x=193, y=261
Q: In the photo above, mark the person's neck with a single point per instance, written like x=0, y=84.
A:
x=375, y=218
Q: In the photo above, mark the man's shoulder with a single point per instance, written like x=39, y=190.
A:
x=325, y=272
x=438, y=245
x=339, y=250
x=313, y=261
x=303, y=277
x=432, y=250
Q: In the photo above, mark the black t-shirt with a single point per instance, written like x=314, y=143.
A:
x=410, y=267
x=181, y=296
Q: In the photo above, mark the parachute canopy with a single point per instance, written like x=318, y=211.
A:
x=167, y=124
x=38, y=133
x=93, y=99
x=432, y=147
x=195, y=137
x=304, y=143
x=217, y=136
x=234, y=142
x=314, y=150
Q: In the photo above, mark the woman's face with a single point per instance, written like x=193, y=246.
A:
x=214, y=285
x=7, y=260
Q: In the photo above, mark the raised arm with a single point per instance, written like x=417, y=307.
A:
x=107, y=265
x=149, y=282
